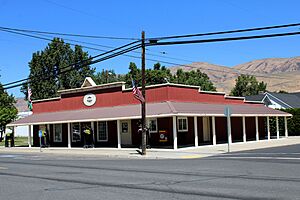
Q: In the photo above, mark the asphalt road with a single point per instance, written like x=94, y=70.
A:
x=272, y=173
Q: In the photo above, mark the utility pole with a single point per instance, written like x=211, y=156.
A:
x=144, y=139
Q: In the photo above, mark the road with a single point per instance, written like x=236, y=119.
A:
x=272, y=173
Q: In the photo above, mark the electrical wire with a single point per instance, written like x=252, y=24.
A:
x=86, y=60
x=226, y=32
x=78, y=67
x=68, y=34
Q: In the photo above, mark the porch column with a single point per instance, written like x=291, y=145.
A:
x=268, y=127
x=214, y=130
x=30, y=130
x=196, y=131
x=69, y=135
x=256, y=128
x=119, y=136
x=286, y=133
x=244, y=129
x=174, y=132
x=93, y=133
x=277, y=128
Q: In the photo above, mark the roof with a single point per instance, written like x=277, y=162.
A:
x=293, y=100
x=258, y=97
x=289, y=99
x=162, y=109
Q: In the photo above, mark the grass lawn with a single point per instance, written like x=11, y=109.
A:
x=19, y=141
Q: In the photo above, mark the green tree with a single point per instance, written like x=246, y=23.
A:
x=196, y=78
x=106, y=76
x=8, y=111
x=247, y=85
x=46, y=69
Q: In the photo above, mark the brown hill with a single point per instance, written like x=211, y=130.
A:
x=278, y=73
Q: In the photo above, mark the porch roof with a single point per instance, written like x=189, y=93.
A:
x=160, y=109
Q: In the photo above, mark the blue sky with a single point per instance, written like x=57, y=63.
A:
x=156, y=18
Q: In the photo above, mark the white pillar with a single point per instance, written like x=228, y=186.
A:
x=268, y=127
x=256, y=128
x=30, y=130
x=69, y=135
x=93, y=133
x=175, y=132
x=244, y=129
x=277, y=127
x=229, y=130
x=119, y=134
x=286, y=133
x=214, y=130
x=196, y=131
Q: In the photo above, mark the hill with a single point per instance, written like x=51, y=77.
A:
x=278, y=73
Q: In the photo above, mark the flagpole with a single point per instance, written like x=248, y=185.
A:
x=144, y=139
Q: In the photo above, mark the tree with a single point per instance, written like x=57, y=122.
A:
x=8, y=111
x=106, y=76
x=196, y=78
x=247, y=85
x=46, y=68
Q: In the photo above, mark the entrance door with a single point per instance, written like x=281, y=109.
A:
x=125, y=132
x=206, y=129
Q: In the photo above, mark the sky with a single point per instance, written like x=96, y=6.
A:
x=157, y=18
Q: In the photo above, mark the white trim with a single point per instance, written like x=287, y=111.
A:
x=106, y=131
x=278, y=99
x=234, y=97
x=148, y=122
x=244, y=129
x=54, y=132
x=119, y=134
x=49, y=99
x=214, y=130
x=182, y=118
x=151, y=116
x=258, y=102
x=69, y=135
x=256, y=129
x=212, y=92
x=88, y=80
x=277, y=128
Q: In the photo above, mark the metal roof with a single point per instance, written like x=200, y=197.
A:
x=161, y=109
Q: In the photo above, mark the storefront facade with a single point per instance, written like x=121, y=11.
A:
x=177, y=116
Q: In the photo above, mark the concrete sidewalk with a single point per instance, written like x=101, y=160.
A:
x=185, y=153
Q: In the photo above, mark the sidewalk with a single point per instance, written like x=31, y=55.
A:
x=185, y=153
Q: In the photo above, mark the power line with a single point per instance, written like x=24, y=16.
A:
x=86, y=60
x=226, y=32
x=223, y=39
x=78, y=67
x=68, y=34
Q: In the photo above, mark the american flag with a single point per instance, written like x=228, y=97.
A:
x=29, y=94
x=137, y=93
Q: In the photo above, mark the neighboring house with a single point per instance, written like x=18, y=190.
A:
x=23, y=111
x=277, y=100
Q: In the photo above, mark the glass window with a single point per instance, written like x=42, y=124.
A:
x=182, y=124
x=152, y=123
x=102, y=132
x=76, y=136
x=57, y=132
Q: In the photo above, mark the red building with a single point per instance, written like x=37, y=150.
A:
x=177, y=116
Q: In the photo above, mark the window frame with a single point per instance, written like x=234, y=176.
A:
x=178, y=126
x=106, y=131
x=148, y=122
x=54, y=128
x=72, y=139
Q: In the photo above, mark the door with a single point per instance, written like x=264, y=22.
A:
x=125, y=132
x=206, y=129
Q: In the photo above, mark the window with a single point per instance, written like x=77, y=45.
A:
x=152, y=124
x=57, y=132
x=76, y=136
x=182, y=124
x=102, y=132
